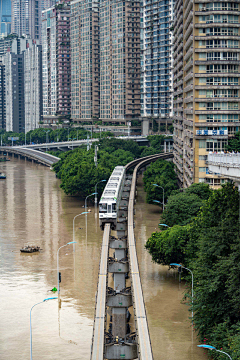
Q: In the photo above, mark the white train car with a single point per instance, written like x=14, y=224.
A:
x=111, y=197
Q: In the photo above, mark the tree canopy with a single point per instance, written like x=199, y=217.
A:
x=210, y=246
x=162, y=173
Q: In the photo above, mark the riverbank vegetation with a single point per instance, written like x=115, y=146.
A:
x=204, y=237
x=162, y=173
x=78, y=172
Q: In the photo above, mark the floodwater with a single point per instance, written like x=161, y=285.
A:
x=35, y=211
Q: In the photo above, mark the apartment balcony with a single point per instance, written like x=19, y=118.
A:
x=188, y=134
x=188, y=88
x=189, y=30
x=218, y=99
x=188, y=161
x=178, y=161
x=188, y=42
x=188, y=8
x=178, y=126
x=189, y=122
x=189, y=111
x=178, y=140
x=189, y=65
x=188, y=99
x=188, y=53
x=188, y=149
x=188, y=170
x=189, y=76
x=214, y=87
x=179, y=100
x=188, y=20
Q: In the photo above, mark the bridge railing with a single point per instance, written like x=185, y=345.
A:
x=222, y=159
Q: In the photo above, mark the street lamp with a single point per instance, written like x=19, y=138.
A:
x=51, y=298
x=95, y=193
x=213, y=348
x=85, y=212
x=163, y=194
x=72, y=141
x=96, y=189
x=164, y=225
x=71, y=242
x=46, y=131
x=179, y=265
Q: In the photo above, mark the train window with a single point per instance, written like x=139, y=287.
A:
x=109, y=192
x=102, y=208
x=113, y=208
x=109, y=209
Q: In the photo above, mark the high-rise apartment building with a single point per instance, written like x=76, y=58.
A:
x=14, y=92
x=27, y=17
x=85, y=60
x=5, y=17
x=33, y=87
x=2, y=97
x=156, y=98
x=22, y=86
x=56, y=63
x=119, y=60
x=209, y=87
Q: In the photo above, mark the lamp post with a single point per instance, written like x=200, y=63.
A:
x=95, y=193
x=213, y=348
x=165, y=225
x=179, y=265
x=51, y=298
x=74, y=228
x=163, y=194
x=71, y=242
x=96, y=189
x=46, y=131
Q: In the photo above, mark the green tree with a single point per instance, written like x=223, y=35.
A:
x=234, y=143
x=162, y=173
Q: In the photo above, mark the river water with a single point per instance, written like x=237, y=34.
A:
x=35, y=211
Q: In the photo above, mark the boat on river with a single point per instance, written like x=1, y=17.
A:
x=30, y=249
x=2, y=176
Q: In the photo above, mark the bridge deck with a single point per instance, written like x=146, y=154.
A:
x=39, y=156
x=100, y=314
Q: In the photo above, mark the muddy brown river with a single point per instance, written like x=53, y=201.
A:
x=35, y=211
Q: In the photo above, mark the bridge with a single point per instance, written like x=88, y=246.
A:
x=72, y=144
x=113, y=338
x=226, y=165
x=30, y=154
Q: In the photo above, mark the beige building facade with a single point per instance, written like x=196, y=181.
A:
x=206, y=84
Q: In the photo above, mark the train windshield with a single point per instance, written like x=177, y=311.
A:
x=102, y=208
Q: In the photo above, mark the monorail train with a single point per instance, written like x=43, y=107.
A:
x=111, y=197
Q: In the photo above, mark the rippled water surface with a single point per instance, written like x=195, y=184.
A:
x=34, y=210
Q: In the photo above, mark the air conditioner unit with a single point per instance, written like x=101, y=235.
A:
x=203, y=8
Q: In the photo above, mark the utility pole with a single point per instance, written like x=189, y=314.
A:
x=95, y=157
x=88, y=142
x=1, y=140
x=77, y=134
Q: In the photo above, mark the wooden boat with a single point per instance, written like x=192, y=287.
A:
x=2, y=176
x=30, y=249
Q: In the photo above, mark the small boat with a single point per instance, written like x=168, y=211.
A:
x=30, y=249
x=2, y=176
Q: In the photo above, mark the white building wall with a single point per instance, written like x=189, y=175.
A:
x=32, y=87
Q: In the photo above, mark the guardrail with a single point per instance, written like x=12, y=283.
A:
x=229, y=159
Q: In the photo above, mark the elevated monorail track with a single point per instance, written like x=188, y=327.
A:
x=136, y=346
x=34, y=155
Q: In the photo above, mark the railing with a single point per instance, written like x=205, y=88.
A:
x=227, y=160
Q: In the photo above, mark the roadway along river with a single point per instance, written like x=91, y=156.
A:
x=35, y=211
